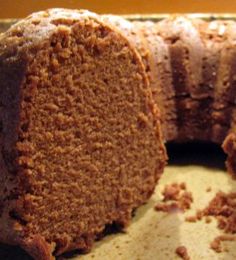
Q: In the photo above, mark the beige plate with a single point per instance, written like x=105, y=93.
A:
x=156, y=235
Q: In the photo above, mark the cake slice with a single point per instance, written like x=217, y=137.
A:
x=80, y=140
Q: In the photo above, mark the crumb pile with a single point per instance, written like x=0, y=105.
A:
x=216, y=243
x=223, y=208
x=175, y=198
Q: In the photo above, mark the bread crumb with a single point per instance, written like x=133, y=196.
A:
x=171, y=192
x=208, y=189
x=191, y=219
x=223, y=208
x=208, y=219
x=171, y=208
x=216, y=243
x=175, y=198
x=182, y=252
x=199, y=214
x=183, y=186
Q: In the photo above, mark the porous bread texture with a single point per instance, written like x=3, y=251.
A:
x=81, y=145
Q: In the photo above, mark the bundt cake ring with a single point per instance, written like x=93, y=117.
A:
x=86, y=105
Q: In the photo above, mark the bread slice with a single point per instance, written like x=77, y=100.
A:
x=78, y=126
